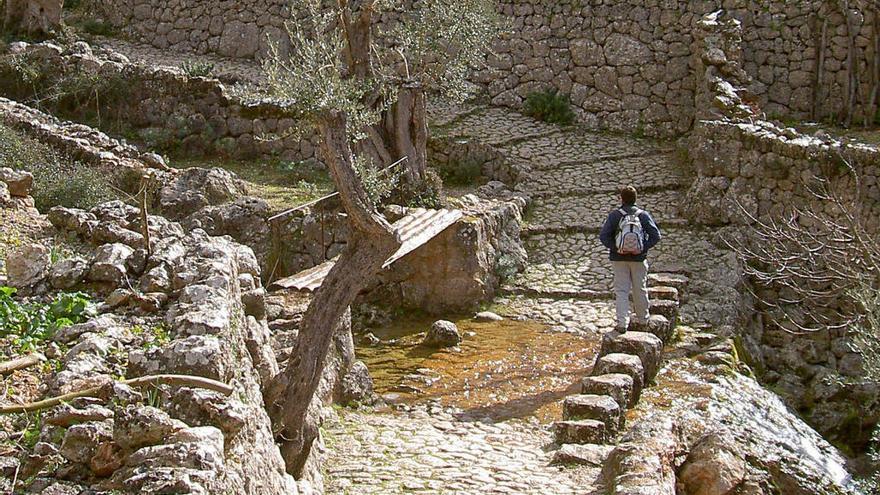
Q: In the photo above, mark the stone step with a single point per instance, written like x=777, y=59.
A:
x=627, y=364
x=536, y=229
x=656, y=324
x=664, y=292
x=585, y=294
x=585, y=455
x=599, y=407
x=580, y=432
x=616, y=385
x=647, y=346
x=675, y=280
x=667, y=308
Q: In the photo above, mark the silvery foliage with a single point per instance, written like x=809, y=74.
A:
x=435, y=43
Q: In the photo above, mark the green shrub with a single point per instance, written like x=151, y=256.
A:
x=463, y=172
x=57, y=181
x=98, y=27
x=73, y=185
x=197, y=68
x=549, y=106
x=34, y=323
x=377, y=183
x=428, y=194
x=159, y=139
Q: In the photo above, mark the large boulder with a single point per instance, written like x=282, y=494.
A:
x=713, y=467
x=67, y=273
x=244, y=219
x=357, y=385
x=81, y=441
x=196, y=188
x=28, y=266
x=33, y=16
x=141, y=426
x=18, y=182
x=109, y=263
x=442, y=334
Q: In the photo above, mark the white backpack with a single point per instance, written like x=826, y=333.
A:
x=630, y=237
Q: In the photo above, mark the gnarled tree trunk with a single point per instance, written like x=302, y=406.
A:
x=402, y=132
x=371, y=241
x=407, y=127
x=33, y=16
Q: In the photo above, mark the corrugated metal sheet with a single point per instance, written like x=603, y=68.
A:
x=416, y=229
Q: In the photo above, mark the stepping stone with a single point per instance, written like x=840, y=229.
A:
x=647, y=346
x=663, y=292
x=669, y=309
x=580, y=431
x=627, y=364
x=585, y=455
x=599, y=407
x=675, y=280
x=616, y=385
x=660, y=326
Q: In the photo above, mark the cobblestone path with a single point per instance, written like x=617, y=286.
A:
x=567, y=285
x=434, y=451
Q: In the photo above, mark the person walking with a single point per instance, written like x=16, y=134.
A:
x=628, y=233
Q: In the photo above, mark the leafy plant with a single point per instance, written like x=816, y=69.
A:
x=428, y=194
x=98, y=27
x=31, y=434
x=506, y=267
x=33, y=323
x=378, y=184
x=549, y=106
x=197, y=68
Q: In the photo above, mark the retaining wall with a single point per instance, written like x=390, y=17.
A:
x=628, y=65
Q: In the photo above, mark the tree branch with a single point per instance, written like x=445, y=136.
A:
x=176, y=380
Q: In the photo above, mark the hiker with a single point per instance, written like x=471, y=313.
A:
x=628, y=233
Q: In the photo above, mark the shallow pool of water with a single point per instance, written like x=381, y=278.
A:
x=506, y=369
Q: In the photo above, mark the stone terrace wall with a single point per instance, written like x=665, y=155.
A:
x=163, y=105
x=626, y=64
x=629, y=64
x=765, y=169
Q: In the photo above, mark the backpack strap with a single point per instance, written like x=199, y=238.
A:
x=622, y=212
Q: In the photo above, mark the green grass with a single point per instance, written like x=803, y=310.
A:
x=57, y=179
x=281, y=184
x=549, y=106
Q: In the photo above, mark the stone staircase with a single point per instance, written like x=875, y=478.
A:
x=625, y=366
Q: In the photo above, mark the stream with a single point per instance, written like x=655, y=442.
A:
x=501, y=370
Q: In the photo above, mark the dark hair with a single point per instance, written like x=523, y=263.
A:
x=628, y=195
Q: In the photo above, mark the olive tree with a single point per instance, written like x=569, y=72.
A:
x=394, y=55
x=362, y=87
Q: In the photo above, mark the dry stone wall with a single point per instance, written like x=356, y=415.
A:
x=164, y=106
x=203, y=291
x=766, y=168
x=626, y=65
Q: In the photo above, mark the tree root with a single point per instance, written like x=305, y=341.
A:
x=21, y=363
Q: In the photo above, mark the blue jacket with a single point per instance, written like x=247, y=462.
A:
x=609, y=233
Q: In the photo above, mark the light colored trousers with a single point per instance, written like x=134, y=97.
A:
x=631, y=276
